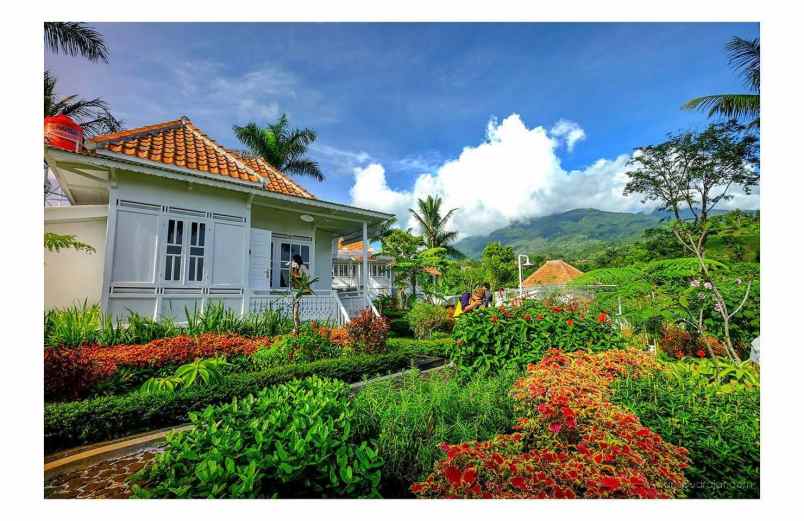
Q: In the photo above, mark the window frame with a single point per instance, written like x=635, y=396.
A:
x=203, y=240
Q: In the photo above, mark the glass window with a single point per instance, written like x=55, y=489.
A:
x=196, y=267
x=173, y=250
x=176, y=251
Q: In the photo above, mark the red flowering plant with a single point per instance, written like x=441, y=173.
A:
x=368, y=332
x=72, y=373
x=677, y=342
x=493, y=338
x=571, y=441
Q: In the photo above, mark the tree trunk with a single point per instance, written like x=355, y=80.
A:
x=296, y=319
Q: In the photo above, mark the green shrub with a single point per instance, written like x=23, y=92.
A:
x=309, y=345
x=720, y=430
x=400, y=327
x=76, y=423
x=266, y=358
x=425, y=319
x=292, y=440
x=72, y=326
x=494, y=338
x=411, y=420
x=433, y=347
x=674, y=271
x=84, y=325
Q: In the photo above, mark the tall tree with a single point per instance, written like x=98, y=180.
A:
x=76, y=39
x=410, y=255
x=744, y=59
x=281, y=147
x=500, y=265
x=696, y=171
x=434, y=225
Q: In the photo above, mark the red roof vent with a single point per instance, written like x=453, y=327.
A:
x=64, y=133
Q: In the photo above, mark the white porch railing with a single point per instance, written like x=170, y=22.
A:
x=321, y=305
x=337, y=308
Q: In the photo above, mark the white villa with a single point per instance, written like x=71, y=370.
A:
x=178, y=222
x=347, y=270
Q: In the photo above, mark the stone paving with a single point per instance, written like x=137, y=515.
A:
x=103, y=480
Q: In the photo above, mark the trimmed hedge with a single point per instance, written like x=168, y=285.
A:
x=99, y=419
x=433, y=347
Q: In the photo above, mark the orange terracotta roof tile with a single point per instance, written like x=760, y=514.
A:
x=180, y=143
x=552, y=272
x=275, y=181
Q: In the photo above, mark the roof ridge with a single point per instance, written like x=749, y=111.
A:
x=189, y=124
x=272, y=169
x=138, y=131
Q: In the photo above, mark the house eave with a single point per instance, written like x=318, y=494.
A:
x=113, y=160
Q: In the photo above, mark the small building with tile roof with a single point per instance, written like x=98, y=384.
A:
x=552, y=272
x=179, y=222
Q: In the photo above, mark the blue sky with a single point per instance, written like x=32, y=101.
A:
x=408, y=99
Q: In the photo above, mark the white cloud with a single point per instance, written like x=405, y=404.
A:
x=371, y=190
x=514, y=174
x=570, y=131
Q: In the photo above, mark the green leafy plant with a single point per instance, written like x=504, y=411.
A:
x=494, y=338
x=412, y=418
x=428, y=318
x=293, y=440
x=719, y=429
x=198, y=372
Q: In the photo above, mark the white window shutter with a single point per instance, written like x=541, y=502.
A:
x=259, y=259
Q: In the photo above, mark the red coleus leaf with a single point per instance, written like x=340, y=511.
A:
x=453, y=475
x=469, y=475
x=518, y=482
x=555, y=427
x=610, y=483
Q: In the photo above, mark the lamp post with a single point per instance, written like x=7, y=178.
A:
x=519, y=264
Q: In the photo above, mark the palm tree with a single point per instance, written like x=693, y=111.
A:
x=281, y=147
x=94, y=116
x=76, y=38
x=433, y=224
x=743, y=58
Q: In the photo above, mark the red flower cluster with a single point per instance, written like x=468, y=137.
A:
x=367, y=332
x=336, y=335
x=680, y=343
x=70, y=372
x=602, y=318
x=570, y=442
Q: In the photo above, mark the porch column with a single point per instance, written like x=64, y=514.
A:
x=365, y=258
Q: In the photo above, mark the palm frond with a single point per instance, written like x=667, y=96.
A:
x=94, y=116
x=76, y=38
x=732, y=106
x=305, y=167
x=744, y=58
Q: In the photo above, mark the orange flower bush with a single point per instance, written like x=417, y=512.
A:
x=571, y=441
x=71, y=372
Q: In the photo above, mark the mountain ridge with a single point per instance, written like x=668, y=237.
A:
x=573, y=233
